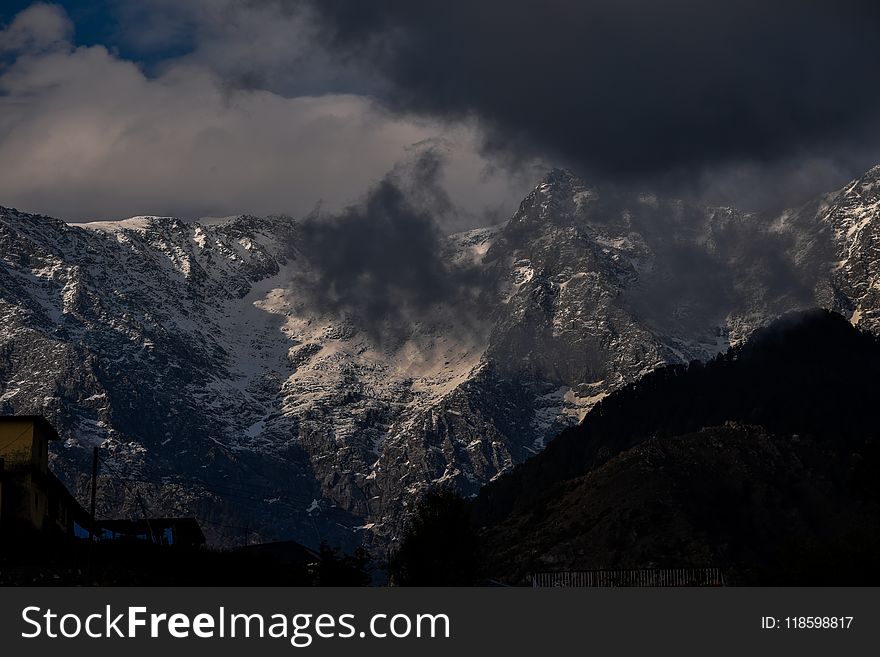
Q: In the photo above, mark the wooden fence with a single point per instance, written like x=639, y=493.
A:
x=645, y=577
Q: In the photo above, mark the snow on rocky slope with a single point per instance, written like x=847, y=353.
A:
x=191, y=353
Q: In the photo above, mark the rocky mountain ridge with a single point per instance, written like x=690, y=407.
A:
x=192, y=354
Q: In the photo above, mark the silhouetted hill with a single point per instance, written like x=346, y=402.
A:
x=764, y=459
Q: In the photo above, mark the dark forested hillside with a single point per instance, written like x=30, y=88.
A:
x=764, y=460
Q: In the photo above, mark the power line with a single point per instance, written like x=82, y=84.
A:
x=138, y=496
x=237, y=491
x=5, y=445
x=226, y=490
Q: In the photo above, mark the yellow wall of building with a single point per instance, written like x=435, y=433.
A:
x=24, y=448
x=22, y=443
x=16, y=442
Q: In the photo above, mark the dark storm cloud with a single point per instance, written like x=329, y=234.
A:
x=627, y=88
x=384, y=260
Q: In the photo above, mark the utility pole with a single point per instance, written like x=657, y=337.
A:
x=1, y=494
x=94, y=493
x=92, y=514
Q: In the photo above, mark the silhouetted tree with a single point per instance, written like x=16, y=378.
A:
x=337, y=569
x=439, y=547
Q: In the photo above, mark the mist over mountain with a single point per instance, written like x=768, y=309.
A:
x=238, y=371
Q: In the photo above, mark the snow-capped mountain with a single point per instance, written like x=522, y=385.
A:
x=192, y=354
x=849, y=218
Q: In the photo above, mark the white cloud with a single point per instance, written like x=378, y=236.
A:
x=87, y=135
x=261, y=43
x=38, y=28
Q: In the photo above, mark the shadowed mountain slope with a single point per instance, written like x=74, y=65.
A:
x=764, y=460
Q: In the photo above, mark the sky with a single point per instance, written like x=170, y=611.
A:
x=218, y=107
x=207, y=108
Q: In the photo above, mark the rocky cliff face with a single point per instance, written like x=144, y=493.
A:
x=191, y=354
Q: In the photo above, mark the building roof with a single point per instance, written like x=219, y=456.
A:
x=39, y=421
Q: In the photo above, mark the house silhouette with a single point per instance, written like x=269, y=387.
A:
x=32, y=498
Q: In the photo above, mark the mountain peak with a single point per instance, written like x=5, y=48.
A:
x=560, y=182
x=873, y=172
x=560, y=176
x=564, y=186
x=139, y=223
x=865, y=188
x=560, y=195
